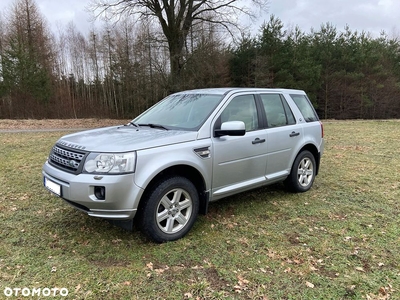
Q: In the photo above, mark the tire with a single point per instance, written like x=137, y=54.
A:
x=302, y=175
x=169, y=210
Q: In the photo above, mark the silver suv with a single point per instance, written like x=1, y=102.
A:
x=191, y=148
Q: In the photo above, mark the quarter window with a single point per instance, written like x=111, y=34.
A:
x=277, y=110
x=305, y=107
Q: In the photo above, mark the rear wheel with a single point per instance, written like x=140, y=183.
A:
x=170, y=210
x=302, y=175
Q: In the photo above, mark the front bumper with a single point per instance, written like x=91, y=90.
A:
x=121, y=199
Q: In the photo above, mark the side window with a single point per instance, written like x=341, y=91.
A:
x=277, y=111
x=242, y=108
x=305, y=107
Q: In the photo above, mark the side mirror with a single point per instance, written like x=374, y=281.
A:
x=233, y=128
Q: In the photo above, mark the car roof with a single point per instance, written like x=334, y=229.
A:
x=226, y=90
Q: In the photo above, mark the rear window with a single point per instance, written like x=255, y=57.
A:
x=305, y=107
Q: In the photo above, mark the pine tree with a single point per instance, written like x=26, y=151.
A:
x=27, y=59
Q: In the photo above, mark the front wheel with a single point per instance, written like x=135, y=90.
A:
x=170, y=210
x=302, y=175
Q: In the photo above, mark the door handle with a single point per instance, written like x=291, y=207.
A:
x=258, y=141
x=294, y=134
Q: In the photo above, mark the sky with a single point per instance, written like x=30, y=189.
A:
x=372, y=16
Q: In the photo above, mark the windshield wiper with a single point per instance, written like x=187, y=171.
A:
x=152, y=125
x=133, y=124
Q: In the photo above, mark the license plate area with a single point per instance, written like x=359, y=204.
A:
x=53, y=187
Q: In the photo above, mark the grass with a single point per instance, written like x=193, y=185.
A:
x=340, y=240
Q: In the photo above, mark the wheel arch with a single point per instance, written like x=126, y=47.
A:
x=188, y=172
x=314, y=150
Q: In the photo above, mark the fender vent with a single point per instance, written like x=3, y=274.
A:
x=203, y=152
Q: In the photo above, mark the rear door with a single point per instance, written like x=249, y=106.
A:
x=284, y=136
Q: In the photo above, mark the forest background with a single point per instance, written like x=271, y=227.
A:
x=122, y=68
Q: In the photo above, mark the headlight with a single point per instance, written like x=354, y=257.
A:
x=111, y=163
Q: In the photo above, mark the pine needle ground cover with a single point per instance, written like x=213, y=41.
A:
x=340, y=240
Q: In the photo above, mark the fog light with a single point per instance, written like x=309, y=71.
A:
x=100, y=192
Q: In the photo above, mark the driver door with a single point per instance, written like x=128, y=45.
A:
x=239, y=161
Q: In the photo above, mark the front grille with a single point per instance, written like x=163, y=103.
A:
x=69, y=160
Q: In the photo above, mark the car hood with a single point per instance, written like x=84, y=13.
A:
x=125, y=138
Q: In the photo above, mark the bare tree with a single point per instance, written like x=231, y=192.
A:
x=177, y=17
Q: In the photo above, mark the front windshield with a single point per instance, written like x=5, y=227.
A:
x=180, y=111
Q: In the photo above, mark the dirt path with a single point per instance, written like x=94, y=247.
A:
x=12, y=126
